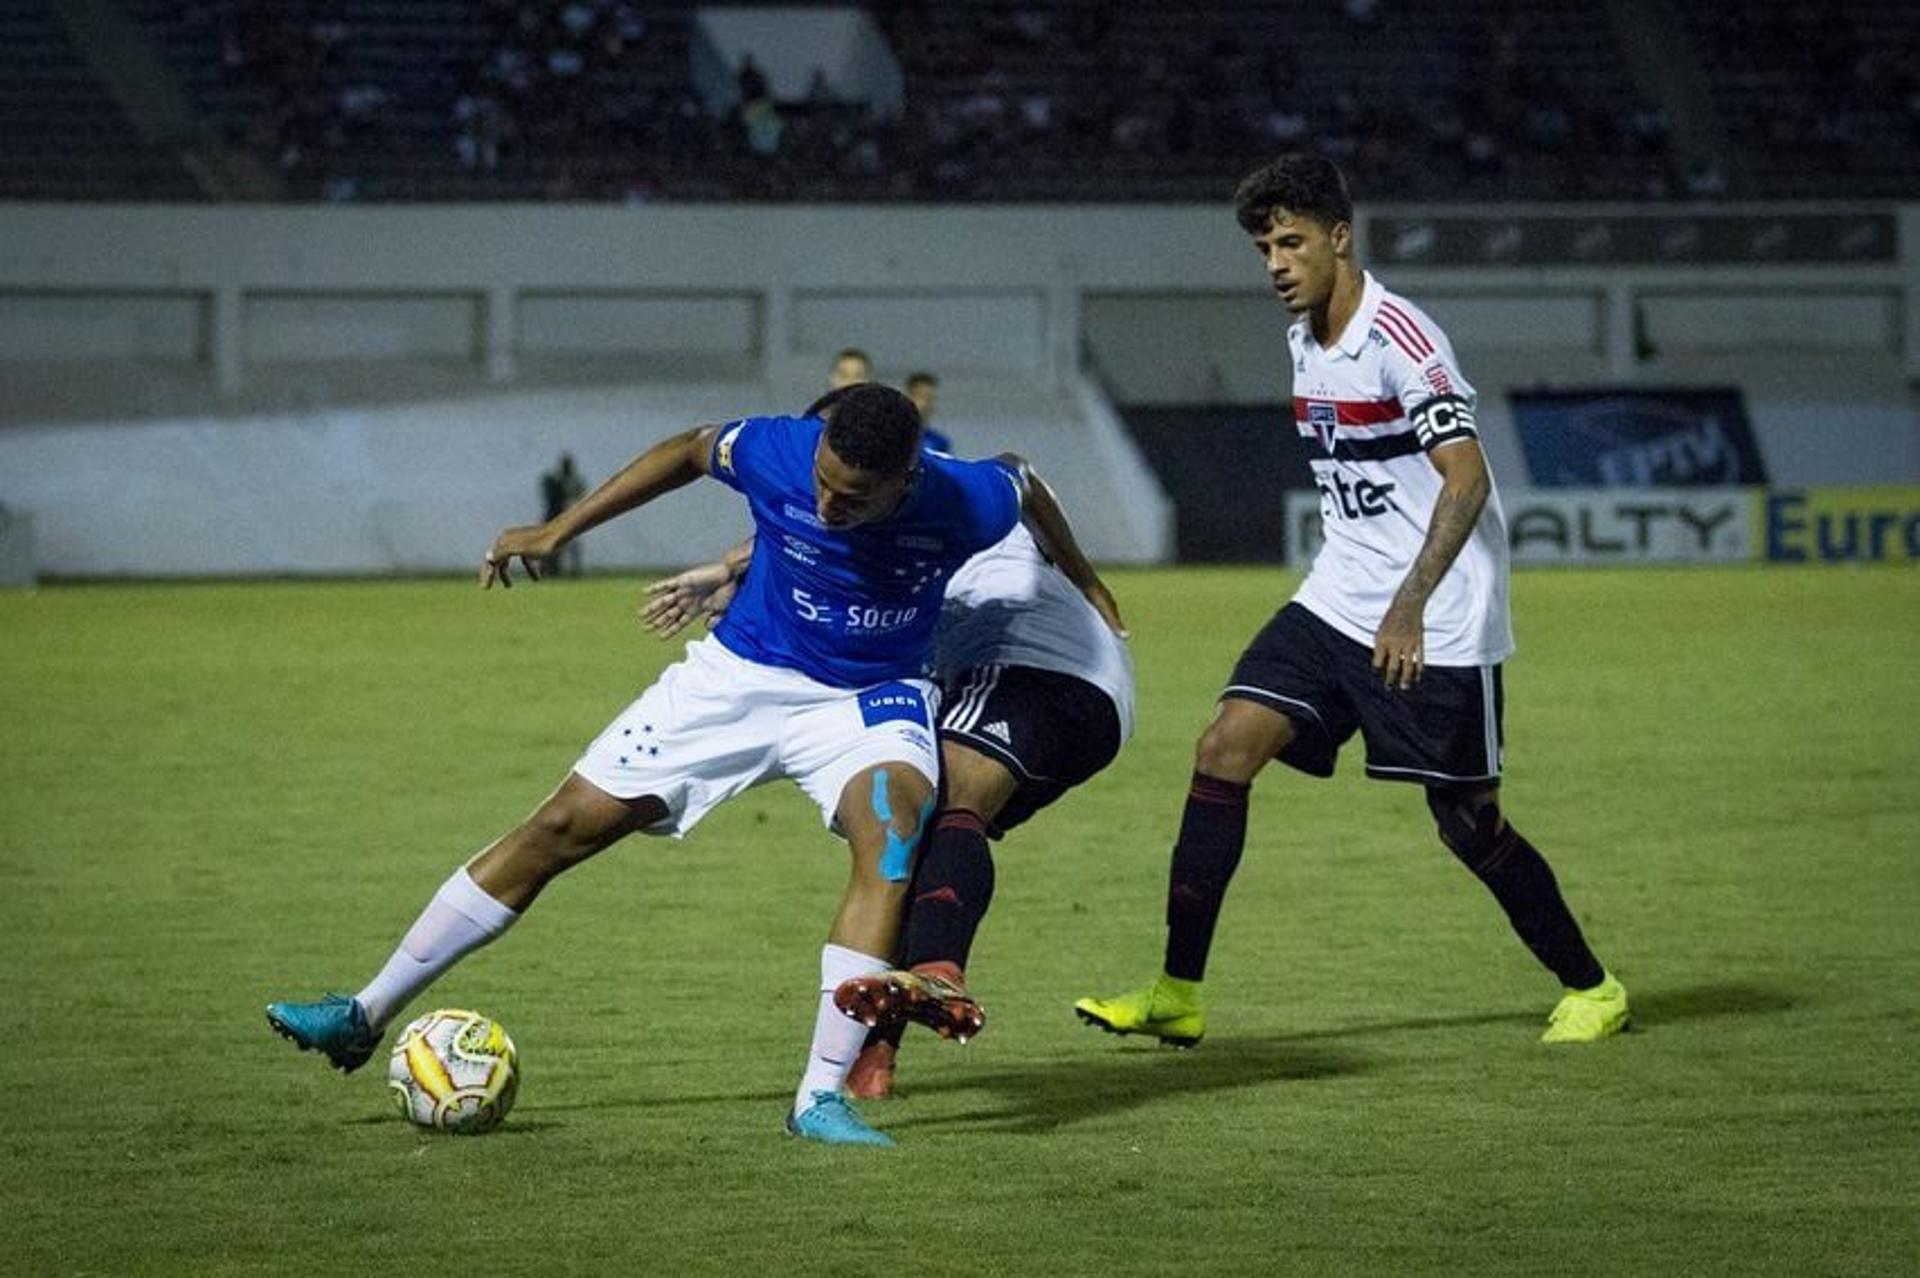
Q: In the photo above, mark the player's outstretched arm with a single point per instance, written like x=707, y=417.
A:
x=705, y=590
x=672, y=463
x=1040, y=511
x=1398, y=651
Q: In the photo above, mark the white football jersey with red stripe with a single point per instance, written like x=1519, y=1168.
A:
x=1370, y=408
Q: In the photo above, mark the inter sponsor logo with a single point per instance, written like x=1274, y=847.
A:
x=1361, y=499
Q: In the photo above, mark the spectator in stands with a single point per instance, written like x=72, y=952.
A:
x=559, y=489
x=850, y=367
x=820, y=95
x=480, y=123
x=752, y=83
x=923, y=388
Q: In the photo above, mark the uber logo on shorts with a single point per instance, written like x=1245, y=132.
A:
x=892, y=702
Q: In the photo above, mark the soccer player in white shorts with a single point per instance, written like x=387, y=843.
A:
x=816, y=674
x=1038, y=698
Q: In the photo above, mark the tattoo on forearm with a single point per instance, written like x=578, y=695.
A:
x=1455, y=512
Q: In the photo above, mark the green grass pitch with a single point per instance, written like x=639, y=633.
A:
x=218, y=794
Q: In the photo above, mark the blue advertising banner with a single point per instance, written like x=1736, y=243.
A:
x=1637, y=438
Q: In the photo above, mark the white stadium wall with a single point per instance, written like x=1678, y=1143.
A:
x=302, y=389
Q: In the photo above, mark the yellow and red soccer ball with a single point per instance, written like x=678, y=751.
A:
x=454, y=1071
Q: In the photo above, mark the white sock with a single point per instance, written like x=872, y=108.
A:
x=837, y=1038
x=459, y=920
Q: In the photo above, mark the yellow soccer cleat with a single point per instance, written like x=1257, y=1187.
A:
x=1168, y=1009
x=1587, y=1016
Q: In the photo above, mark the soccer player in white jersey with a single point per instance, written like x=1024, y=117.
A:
x=1037, y=698
x=1397, y=633
x=816, y=674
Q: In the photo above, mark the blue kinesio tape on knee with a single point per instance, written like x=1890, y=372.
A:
x=896, y=862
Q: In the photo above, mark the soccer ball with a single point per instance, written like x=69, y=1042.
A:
x=455, y=1071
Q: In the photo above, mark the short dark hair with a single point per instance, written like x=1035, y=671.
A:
x=1302, y=182
x=819, y=407
x=921, y=378
x=872, y=427
x=854, y=352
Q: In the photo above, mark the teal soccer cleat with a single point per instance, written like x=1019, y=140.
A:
x=336, y=1025
x=831, y=1121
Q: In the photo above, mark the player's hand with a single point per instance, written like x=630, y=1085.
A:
x=531, y=544
x=1397, y=652
x=1102, y=600
x=672, y=604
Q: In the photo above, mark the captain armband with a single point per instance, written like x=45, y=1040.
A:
x=1442, y=419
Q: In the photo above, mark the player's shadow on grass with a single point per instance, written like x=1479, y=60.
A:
x=512, y=1127
x=1044, y=1095
x=1047, y=1095
x=1697, y=1002
x=1108, y=1078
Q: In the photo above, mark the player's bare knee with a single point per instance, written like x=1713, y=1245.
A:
x=1229, y=752
x=884, y=811
x=1242, y=739
x=555, y=827
x=974, y=782
x=561, y=835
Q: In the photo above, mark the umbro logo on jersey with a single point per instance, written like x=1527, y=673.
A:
x=999, y=731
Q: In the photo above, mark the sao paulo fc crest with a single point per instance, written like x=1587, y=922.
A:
x=1323, y=418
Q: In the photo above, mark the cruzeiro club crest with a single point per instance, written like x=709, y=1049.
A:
x=1324, y=418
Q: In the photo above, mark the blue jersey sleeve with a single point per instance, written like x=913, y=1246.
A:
x=993, y=500
x=749, y=454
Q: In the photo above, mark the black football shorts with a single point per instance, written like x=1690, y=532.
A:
x=1050, y=730
x=1444, y=730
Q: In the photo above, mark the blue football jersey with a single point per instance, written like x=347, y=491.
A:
x=856, y=606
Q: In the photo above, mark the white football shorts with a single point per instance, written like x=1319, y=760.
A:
x=715, y=724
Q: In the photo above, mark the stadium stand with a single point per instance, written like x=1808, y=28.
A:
x=62, y=137
x=1820, y=98
x=1075, y=100
x=1007, y=100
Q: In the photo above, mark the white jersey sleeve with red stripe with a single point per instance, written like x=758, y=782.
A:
x=1369, y=408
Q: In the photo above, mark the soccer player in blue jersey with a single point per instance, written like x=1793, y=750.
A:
x=1039, y=688
x=816, y=673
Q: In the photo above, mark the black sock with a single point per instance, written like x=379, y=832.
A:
x=1213, y=831
x=952, y=887
x=1522, y=881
